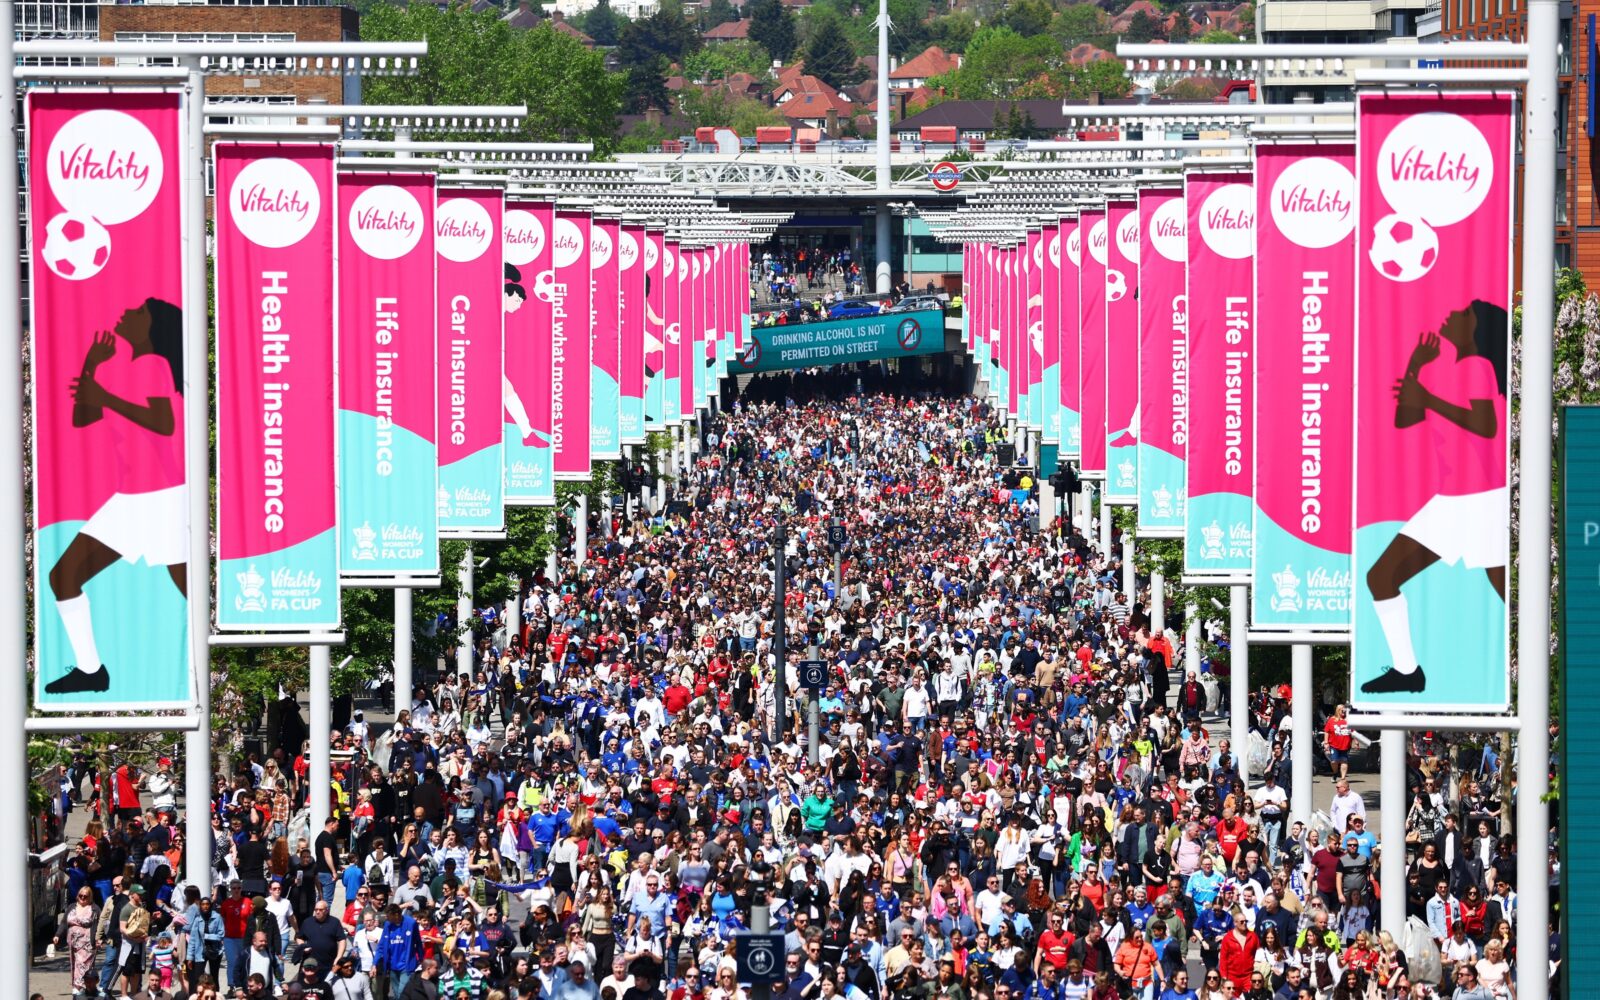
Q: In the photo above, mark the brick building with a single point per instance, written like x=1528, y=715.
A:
x=305, y=21
x=1577, y=156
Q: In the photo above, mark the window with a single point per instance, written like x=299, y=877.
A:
x=1561, y=196
x=246, y=119
x=207, y=37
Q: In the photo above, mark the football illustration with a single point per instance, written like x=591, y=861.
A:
x=76, y=247
x=1116, y=285
x=1404, y=247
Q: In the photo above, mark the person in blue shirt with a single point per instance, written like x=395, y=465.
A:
x=1205, y=883
x=1210, y=925
x=1179, y=990
x=399, y=950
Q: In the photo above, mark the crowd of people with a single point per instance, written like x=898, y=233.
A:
x=1014, y=792
x=788, y=274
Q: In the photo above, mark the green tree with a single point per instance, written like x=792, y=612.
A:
x=478, y=59
x=717, y=62
x=1000, y=64
x=952, y=32
x=649, y=47
x=773, y=27
x=830, y=57
x=1106, y=77
x=1182, y=29
x=1028, y=17
x=603, y=24
x=1216, y=36
x=716, y=107
x=717, y=12
x=1080, y=23
x=1143, y=28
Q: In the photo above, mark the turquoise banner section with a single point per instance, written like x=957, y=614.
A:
x=672, y=401
x=1049, y=460
x=145, y=655
x=1122, y=471
x=1161, y=497
x=605, y=415
x=1051, y=388
x=698, y=368
x=1217, y=536
x=1298, y=585
x=1443, y=592
x=294, y=587
x=387, y=523
x=530, y=470
x=630, y=420
x=1579, y=624
x=1071, y=433
x=870, y=338
x=472, y=492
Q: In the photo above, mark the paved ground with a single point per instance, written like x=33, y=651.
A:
x=51, y=977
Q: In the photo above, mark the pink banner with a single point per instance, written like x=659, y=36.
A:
x=388, y=456
x=110, y=494
x=688, y=327
x=570, y=319
x=1092, y=342
x=1163, y=361
x=1012, y=319
x=672, y=345
x=1304, y=360
x=526, y=390
x=277, y=544
x=605, y=334
x=1068, y=340
x=1221, y=233
x=1122, y=352
x=1033, y=328
x=471, y=276
x=1050, y=333
x=1432, y=516
x=630, y=260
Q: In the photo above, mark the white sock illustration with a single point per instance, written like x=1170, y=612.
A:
x=75, y=618
x=1396, y=622
x=513, y=405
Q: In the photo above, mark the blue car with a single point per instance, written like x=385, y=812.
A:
x=852, y=309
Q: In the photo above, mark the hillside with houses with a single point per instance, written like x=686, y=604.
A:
x=989, y=69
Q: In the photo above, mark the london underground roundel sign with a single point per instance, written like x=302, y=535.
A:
x=945, y=176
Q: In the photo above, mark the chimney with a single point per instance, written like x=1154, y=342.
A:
x=833, y=122
x=1094, y=97
x=652, y=116
x=555, y=13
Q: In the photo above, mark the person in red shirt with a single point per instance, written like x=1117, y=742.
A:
x=236, y=911
x=1236, y=958
x=675, y=699
x=1230, y=831
x=1336, y=738
x=1053, y=946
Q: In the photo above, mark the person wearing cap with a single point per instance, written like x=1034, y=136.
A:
x=133, y=926
x=347, y=982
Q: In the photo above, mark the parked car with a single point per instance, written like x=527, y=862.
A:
x=852, y=309
x=917, y=303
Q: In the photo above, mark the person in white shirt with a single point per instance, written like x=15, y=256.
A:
x=1345, y=805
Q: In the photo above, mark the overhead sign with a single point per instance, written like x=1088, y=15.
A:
x=870, y=338
x=945, y=176
x=836, y=534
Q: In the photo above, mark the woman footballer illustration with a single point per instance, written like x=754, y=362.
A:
x=515, y=297
x=1463, y=405
x=138, y=393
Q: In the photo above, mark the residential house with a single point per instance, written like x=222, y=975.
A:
x=919, y=69
x=728, y=31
